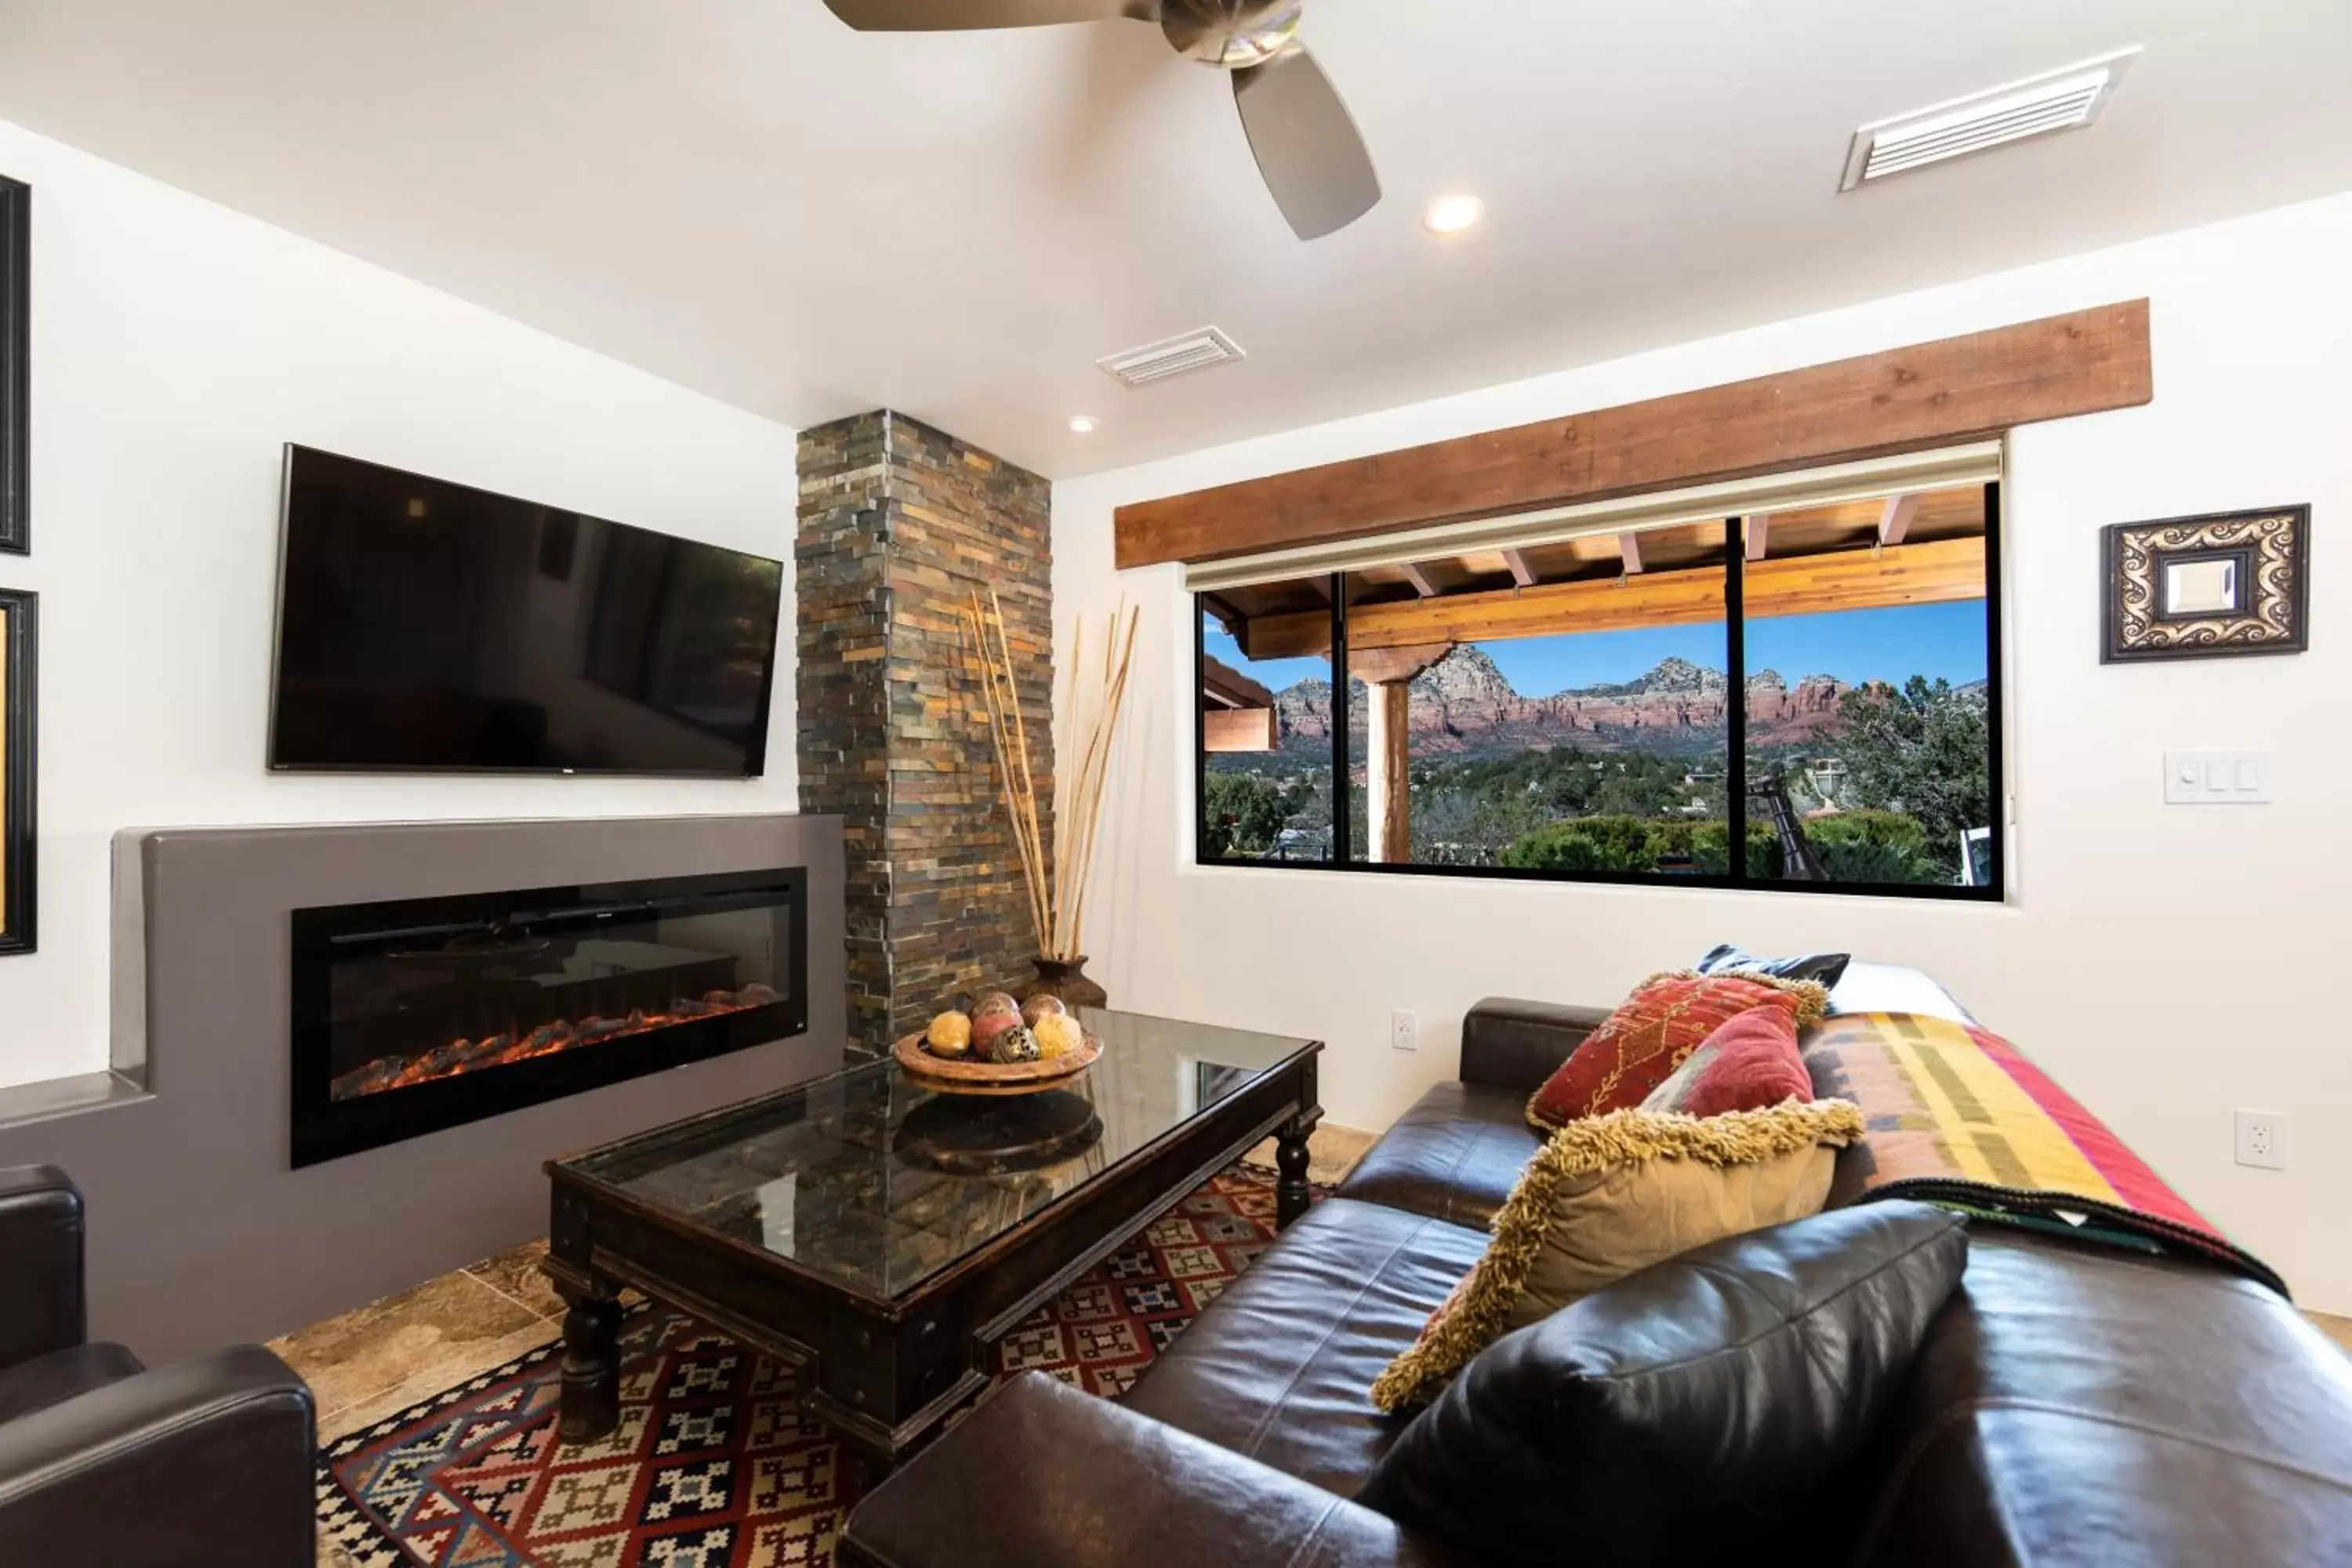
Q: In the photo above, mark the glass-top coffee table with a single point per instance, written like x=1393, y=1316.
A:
x=883, y=1237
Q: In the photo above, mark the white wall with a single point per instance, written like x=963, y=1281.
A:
x=2166, y=964
x=176, y=347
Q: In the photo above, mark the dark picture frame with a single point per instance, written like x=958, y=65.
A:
x=19, y=640
x=16, y=374
x=2254, y=588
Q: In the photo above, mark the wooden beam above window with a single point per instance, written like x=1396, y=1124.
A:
x=1902, y=400
x=1394, y=664
x=1926, y=574
x=1225, y=730
x=1228, y=688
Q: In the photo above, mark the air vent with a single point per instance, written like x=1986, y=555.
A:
x=2065, y=100
x=1174, y=356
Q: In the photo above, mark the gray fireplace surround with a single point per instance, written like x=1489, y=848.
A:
x=201, y=1232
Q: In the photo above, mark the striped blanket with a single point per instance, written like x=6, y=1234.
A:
x=1958, y=1117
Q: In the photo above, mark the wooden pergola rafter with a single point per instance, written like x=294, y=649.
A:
x=1932, y=572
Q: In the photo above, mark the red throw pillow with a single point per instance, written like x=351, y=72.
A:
x=1668, y=1017
x=1751, y=1063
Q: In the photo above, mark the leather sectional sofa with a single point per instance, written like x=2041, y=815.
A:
x=2073, y=1405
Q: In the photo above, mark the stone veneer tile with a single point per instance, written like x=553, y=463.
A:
x=899, y=524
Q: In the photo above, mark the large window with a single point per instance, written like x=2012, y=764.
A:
x=1806, y=700
x=1269, y=790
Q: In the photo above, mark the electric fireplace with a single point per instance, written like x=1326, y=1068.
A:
x=420, y=1013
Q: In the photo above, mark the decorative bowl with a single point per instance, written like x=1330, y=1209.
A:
x=999, y=1136
x=967, y=1075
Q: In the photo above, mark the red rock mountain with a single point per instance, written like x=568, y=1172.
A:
x=1462, y=703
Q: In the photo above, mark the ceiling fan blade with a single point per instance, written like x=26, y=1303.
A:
x=964, y=16
x=1308, y=147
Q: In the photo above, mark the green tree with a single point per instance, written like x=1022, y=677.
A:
x=1925, y=752
x=1587, y=844
x=1245, y=814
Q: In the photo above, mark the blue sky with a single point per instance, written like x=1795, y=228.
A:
x=1892, y=644
x=1856, y=645
x=1277, y=673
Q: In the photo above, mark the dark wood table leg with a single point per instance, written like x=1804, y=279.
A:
x=871, y=1464
x=590, y=1406
x=1291, y=1195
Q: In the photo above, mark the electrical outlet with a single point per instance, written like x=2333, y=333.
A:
x=1404, y=1030
x=2261, y=1140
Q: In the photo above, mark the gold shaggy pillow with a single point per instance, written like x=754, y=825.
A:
x=1611, y=1195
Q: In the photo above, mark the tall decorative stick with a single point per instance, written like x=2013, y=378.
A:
x=1085, y=735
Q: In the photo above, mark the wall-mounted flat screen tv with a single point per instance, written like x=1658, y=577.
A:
x=428, y=625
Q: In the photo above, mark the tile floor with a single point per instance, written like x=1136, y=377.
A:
x=367, y=1364
x=1331, y=1152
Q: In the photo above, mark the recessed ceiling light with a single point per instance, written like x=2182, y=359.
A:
x=1452, y=215
x=1083, y=424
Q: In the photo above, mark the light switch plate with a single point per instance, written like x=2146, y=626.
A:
x=2217, y=778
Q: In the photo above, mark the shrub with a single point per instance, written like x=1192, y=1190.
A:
x=1637, y=845
x=1588, y=844
x=1583, y=844
x=1560, y=847
x=1710, y=849
x=1873, y=846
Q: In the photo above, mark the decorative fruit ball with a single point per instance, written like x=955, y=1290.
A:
x=1014, y=1045
x=991, y=1016
x=1044, y=1004
x=1059, y=1035
x=949, y=1035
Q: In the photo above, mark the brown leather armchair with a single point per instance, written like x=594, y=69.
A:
x=104, y=1463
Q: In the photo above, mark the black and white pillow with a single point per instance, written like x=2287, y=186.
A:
x=1828, y=968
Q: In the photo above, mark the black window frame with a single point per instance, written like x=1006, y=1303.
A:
x=1995, y=892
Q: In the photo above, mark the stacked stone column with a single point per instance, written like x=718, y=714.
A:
x=898, y=523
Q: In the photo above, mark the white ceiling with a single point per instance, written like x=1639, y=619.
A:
x=747, y=197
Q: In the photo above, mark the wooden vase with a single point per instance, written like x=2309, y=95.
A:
x=1064, y=978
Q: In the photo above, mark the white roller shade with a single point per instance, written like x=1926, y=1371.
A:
x=1872, y=478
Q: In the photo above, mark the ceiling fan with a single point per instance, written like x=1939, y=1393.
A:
x=1308, y=148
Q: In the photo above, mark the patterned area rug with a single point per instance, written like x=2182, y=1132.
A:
x=714, y=1465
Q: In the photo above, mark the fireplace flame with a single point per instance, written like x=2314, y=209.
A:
x=519, y=1045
